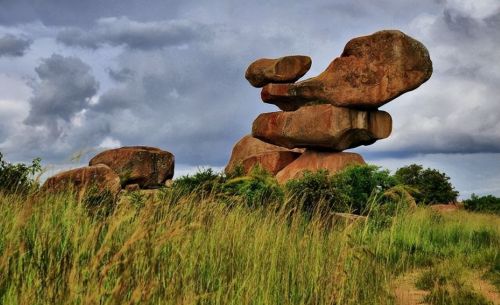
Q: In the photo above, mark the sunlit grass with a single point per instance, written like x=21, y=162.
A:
x=194, y=250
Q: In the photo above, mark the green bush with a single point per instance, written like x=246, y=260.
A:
x=256, y=189
x=347, y=191
x=488, y=204
x=18, y=178
x=314, y=188
x=360, y=182
x=434, y=186
x=203, y=182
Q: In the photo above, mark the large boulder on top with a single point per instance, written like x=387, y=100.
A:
x=149, y=167
x=286, y=69
x=323, y=127
x=371, y=71
x=316, y=160
x=97, y=179
x=249, y=151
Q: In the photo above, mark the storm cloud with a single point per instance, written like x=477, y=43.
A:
x=135, y=35
x=11, y=45
x=171, y=74
x=64, y=87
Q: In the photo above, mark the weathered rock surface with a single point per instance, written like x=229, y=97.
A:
x=97, y=178
x=371, y=71
x=249, y=147
x=323, y=127
x=272, y=161
x=149, y=167
x=286, y=69
x=316, y=160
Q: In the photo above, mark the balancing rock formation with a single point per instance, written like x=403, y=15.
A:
x=333, y=111
x=133, y=167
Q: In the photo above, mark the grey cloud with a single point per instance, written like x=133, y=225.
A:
x=64, y=88
x=135, y=35
x=83, y=13
x=11, y=45
x=120, y=75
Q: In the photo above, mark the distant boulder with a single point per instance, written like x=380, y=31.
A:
x=97, y=179
x=148, y=167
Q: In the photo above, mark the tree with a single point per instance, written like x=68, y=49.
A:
x=18, y=177
x=434, y=186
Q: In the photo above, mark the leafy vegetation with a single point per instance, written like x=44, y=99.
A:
x=433, y=186
x=217, y=239
x=18, y=178
x=488, y=204
x=201, y=251
x=348, y=191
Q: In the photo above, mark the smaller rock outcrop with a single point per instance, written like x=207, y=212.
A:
x=149, y=167
x=322, y=127
x=98, y=179
x=286, y=69
x=316, y=160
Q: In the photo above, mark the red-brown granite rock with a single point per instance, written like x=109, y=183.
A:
x=371, y=71
x=149, y=167
x=323, y=127
x=314, y=161
x=286, y=69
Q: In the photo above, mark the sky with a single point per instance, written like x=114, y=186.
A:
x=77, y=77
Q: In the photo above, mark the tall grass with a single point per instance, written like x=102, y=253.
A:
x=197, y=250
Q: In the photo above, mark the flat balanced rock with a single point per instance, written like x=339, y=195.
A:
x=250, y=151
x=322, y=127
x=99, y=178
x=314, y=161
x=371, y=71
x=286, y=69
x=149, y=167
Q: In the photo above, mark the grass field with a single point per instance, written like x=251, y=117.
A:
x=198, y=250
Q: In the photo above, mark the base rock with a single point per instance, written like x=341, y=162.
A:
x=314, y=161
x=249, y=148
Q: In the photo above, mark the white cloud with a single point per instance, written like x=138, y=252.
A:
x=109, y=142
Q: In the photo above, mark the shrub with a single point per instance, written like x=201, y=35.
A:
x=256, y=189
x=488, y=204
x=434, y=186
x=18, y=177
x=347, y=191
x=358, y=183
x=203, y=182
x=314, y=188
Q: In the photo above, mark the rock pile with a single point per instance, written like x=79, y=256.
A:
x=133, y=167
x=334, y=111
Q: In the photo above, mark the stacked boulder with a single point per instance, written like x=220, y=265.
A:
x=133, y=167
x=334, y=111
